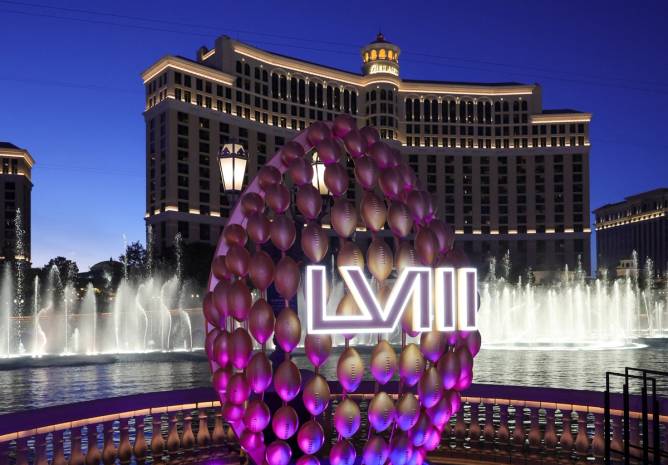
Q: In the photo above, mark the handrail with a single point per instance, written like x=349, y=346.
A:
x=548, y=395
x=575, y=400
x=59, y=414
x=495, y=423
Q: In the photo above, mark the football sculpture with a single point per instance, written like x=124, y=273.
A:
x=281, y=224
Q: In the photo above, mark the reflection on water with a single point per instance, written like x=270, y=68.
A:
x=28, y=388
x=564, y=369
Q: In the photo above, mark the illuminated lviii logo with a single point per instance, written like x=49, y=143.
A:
x=443, y=299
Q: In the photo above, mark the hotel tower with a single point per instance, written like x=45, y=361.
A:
x=16, y=188
x=508, y=174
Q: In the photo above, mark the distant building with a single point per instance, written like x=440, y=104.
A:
x=15, y=187
x=638, y=223
x=625, y=268
x=102, y=272
x=104, y=276
x=505, y=172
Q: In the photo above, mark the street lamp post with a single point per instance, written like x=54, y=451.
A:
x=233, y=159
x=319, y=183
x=319, y=175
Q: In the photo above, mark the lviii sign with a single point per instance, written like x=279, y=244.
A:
x=444, y=299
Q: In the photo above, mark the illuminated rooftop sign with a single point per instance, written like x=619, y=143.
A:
x=379, y=68
x=444, y=299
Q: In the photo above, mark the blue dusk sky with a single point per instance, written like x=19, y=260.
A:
x=72, y=95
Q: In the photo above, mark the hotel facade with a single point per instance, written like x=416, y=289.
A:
x=638, y=223
x=507, y=174
x=16, y=187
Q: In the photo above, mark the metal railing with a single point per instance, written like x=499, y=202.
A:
x=497, y=424
x=646, y=447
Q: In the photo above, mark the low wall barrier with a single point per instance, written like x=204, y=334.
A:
x=155, y=427
x=497, y=424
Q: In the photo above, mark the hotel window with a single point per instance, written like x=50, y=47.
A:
x=183, y=229
x=293, y=89
x=337, y=98
x=329, y=97
x=283, y=87
x=274, y=85
x=302, y=91
x=311, y=93
x=204, y=232
x=319, y=96
x=453, y=111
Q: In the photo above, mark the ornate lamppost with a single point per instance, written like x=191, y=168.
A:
x=232, y=159
x=319, y=175
x=319, y=183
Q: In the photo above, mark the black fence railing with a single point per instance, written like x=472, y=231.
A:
x=647, y=449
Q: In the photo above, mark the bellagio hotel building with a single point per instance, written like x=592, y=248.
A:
x=506, y=173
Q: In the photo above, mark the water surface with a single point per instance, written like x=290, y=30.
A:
x=27, y=388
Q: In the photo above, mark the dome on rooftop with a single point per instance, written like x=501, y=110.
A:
x=380, y=57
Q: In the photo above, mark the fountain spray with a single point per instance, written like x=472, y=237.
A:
x=6, y=303
x=149, y=251
x=178, y=245
x=20, y=259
